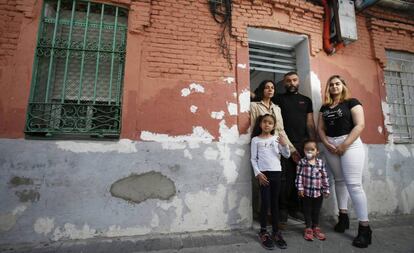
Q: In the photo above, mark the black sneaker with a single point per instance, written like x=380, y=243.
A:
x=279, y=241
x=266, y=241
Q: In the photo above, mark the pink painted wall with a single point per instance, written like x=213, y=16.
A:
x=361, y=76
x=18, y=31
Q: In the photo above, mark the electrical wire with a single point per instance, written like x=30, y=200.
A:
x=221, y=11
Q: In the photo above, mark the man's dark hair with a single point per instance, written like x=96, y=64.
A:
x=291, y=73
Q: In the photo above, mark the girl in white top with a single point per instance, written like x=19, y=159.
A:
x=265, y=158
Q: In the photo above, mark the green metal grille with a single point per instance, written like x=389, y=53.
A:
x=78, y=70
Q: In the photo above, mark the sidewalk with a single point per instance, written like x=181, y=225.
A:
x=390, y=234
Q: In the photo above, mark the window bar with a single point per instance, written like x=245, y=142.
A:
x=122, y=59
x=98, y=53
x=401, y=88
x=65, y=75
x=83, y=51
x=49, y=74
x=113, y=55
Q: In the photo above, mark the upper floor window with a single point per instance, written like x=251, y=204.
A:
x=78, y=70
x=399, y=79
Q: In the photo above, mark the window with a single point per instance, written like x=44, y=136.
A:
x=78, y=70
x=399, y=79
x=273, y=53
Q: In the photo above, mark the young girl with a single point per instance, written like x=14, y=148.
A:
x=265, y=157
x=312, y=183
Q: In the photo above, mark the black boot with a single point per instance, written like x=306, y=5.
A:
x=363, y=239
x=343, y=223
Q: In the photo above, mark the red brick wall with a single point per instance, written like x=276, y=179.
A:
x=173, y=43
x=18, y=28
x=12, y=13
x=181, y=42
x=390, y=31
x=295, y=16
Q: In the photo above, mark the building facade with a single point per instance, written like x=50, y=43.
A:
x=130, y=117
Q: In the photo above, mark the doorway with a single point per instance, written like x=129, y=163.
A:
x=271, y=55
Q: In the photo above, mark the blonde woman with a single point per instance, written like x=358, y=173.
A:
x=340, y=123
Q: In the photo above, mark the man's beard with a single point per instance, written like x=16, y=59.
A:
x=292, y=89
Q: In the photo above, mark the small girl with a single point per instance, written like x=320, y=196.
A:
x=265, y=157
x=312, y=183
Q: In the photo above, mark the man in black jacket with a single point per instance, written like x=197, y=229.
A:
x=297, y=113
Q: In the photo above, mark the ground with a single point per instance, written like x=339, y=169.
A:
x=390, y=234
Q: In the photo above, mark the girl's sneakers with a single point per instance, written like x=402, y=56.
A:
x=266, y=241
x=279, y=241
x=308, y=235
x=318, y=234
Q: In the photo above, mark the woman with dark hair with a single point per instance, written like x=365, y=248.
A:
x=264, y=105
x=341, y=121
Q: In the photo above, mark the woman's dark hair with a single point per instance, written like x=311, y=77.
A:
x=260, y=89
x=257, y=130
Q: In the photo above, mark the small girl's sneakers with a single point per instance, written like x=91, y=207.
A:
x=308, y=235
x=318, y=234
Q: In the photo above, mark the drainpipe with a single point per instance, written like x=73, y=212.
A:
x=327, y=45
x=363, y=4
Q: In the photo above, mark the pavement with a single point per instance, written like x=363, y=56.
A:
x=391, y=234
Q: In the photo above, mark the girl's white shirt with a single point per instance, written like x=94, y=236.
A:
x=265, y=154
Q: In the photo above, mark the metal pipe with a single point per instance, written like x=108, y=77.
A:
x=363, y=4
x=398, y=5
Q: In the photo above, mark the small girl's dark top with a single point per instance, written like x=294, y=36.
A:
x=338, y=120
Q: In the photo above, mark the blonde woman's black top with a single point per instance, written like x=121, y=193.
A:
x=338, y=120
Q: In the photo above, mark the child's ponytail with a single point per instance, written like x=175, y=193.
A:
x=256, y=129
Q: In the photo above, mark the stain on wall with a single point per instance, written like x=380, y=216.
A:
x=28, y=195
x=17, y=181
x=138, y=188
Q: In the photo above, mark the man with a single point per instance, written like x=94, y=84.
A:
x=297, y=114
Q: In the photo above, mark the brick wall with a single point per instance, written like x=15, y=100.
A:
x=181, y=42
x=172, y=43
x=390, y=31
x=12, y=13
x=362, y=47
x=295, y=16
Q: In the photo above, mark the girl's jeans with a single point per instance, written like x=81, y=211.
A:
x=270, y=197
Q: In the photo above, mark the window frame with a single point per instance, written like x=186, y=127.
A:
x=400, y=95
x=48, y=117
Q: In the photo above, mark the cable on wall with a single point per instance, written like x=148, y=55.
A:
x=221, y=11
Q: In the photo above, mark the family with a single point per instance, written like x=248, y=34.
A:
x=286, y=163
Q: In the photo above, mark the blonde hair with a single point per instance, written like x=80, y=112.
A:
x=346, y=94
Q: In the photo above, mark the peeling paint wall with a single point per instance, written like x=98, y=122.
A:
x=183, y=163
x=99, y=191
x=388, y=181
x=130, y=188
x=122, y=188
